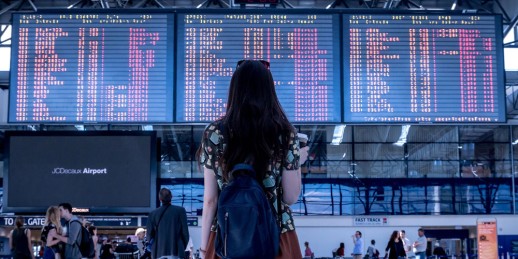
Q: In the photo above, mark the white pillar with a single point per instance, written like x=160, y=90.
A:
x=437, y=200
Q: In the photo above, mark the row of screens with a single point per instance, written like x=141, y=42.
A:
x=160, y=67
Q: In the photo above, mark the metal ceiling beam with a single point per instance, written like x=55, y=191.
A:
x=32, y=5
x=336, y=3
x=104, y=4
x=76, y=3
x=506, y=16
x=10, y=7
x=410, y=4
x=208, y=3
x=285, y=3
x=489, y=6
x=145, y=3
x=159, y=4
x=361, y=3
x=3, y=43
x=512, y=25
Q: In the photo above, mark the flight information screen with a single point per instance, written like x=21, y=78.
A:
x=423, y=68
x=90, y=68
x=303, y=50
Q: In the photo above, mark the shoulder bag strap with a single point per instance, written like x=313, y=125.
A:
x=280, y=195
x=158, y=223
x=161, y=215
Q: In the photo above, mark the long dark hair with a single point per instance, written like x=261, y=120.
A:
x=254, y=125
x=394, y=235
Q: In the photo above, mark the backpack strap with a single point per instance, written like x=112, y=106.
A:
x=279, y=198
x=80, y=234
x=244, y=167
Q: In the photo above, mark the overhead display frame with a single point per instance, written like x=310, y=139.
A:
x=92, y=67
x=423, y=68
x=303, y=49
x=329, y=66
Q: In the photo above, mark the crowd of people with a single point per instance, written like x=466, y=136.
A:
x=63, y=241
x=398, y=247
x=253, y=131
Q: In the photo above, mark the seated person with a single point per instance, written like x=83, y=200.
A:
x=106, y=250
x=126, y=247
x=439, y=251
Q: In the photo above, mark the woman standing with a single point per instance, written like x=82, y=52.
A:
x=395, y=245
x=307, y=252
x=256, y=131
x=340, y=252
x=20, y=240
x=95, y=238
x=50, y=231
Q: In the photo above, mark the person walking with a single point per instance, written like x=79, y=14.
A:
x=167, y=228
x=372, y=252
x=95, y=238
x=20, y=240
x=395, y=248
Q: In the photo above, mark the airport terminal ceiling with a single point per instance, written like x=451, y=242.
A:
x=508, y=8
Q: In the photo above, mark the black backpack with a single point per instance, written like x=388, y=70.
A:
x=247, y=226
x=86, y=243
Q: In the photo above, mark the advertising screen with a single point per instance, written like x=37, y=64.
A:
x=100, y=172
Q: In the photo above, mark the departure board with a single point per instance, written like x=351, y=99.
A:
x=303, y=50
x=92, y=68
x=423, y=68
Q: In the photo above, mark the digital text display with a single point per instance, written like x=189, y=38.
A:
x=423, y=68
x=90, y=68
x=328, y=67
x=303, y=50
x=102, y=172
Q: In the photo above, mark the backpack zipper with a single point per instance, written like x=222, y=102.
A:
x=226, y=234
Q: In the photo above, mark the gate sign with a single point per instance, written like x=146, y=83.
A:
x=191, y=221
x=38, y=221
x=113, y=221
x=29, y=221
x=370, y=221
